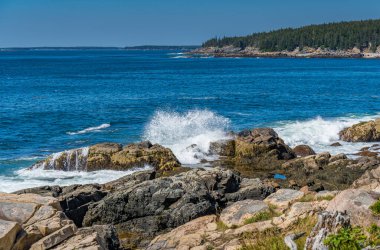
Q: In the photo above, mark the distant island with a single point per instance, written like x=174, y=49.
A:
x=163, y=47
x=142, y=47
x=355, y=39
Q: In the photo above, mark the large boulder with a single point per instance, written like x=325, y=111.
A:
x=362, y=132
x=369, y=181
x=356, y=203
x=112, y=156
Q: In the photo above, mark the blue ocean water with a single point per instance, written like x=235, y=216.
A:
x=53, y=100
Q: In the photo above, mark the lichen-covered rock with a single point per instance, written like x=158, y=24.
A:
x=283, y=198
x=237, y=213
x=362, y=132
x=112, y=156
x=356, y=204
x=303, y=150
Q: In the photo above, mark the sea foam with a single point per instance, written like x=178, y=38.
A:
x=28, y=178
x=320, y=133
x=187, y=134
x=90, y=129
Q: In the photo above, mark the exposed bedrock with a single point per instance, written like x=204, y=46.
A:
x=112, y=156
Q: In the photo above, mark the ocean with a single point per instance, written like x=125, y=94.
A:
x=55, y=100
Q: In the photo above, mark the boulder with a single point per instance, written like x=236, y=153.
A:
x=303, y=150
x=356, y=204
x=111, y=156
x=186, y=236
x=8, y=233
x=237, y=213
x=97, y=237
x=369, y=181
x=336, y=144
x=283, y=198
x=260, y=142
x=362, y=132
x=223, y=148
x=55, y=238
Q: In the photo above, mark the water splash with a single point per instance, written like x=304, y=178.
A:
x=68, y=160
x=320, y=133
x=90, y=129
x=188, y=134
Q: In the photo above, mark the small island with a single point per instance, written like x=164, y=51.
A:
x=355, y=39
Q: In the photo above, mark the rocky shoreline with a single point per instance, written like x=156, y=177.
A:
x=259, y=194
x=230, y=51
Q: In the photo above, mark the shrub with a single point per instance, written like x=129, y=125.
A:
x=346, y=239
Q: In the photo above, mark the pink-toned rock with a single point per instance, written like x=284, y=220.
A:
x=8, y=233
x=238, y=212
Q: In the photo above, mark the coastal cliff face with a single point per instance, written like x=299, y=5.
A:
x=306, y=52
x=257, y=195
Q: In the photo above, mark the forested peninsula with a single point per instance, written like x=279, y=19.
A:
x=343, y=39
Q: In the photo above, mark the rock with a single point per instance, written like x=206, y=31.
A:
x=19, y=212
x=97, y=237
x=367, y=153
x=111, y=156
x=299, y=210
x=303, y=150
x=252, y=227
x=141, y=211
x=362, y=132
x=260, y=142
x=185, y=236
x=55, y=238
x=8, y=233
x=369, y=181
x=283, y=198
x=328, y=223
x=30, y=198
x=356, y=204
x=336, y=144
x=223, y=148
x=238, y=212
x=250, y=189
x=337, y=157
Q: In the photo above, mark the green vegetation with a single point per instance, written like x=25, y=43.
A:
x=273, y=238
x=353, y=238
x=258, y=217
x=221, y=226
x=343, y=35
x=327, y=198
x=346, y=238
x=375, y=208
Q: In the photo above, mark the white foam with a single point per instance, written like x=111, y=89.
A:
x=90, y=129
x=320, y=133
x=188, y=134
x=27, y=178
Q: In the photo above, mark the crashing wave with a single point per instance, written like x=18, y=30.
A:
x=320, y=133
x=68, y=160
x=188, y=134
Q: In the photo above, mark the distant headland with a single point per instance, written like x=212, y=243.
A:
x=355, y=39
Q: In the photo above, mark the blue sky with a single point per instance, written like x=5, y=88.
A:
x=162, y=22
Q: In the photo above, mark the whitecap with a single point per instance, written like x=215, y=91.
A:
x=188, y=134
x=91, y=129
x=320, y=133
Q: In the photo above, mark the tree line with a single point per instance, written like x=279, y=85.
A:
x=335, y=36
